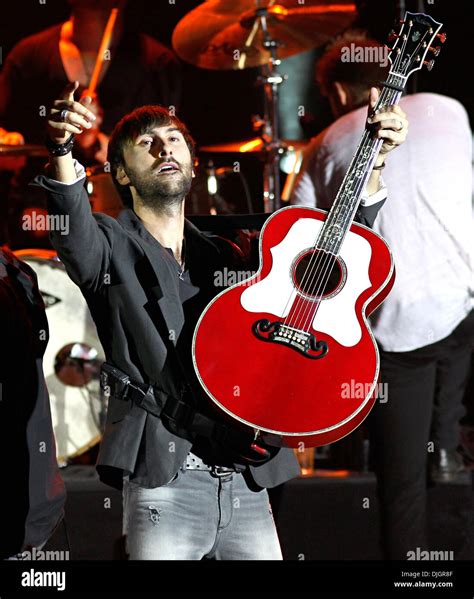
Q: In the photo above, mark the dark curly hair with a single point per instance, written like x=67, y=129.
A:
x=134, y=124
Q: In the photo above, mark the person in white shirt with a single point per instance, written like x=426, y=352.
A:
x=425, y=327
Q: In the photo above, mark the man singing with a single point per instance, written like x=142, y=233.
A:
x=193, y=485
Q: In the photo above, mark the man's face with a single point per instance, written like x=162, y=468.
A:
x=158, y=167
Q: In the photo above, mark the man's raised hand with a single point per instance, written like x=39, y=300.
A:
x=68, y=116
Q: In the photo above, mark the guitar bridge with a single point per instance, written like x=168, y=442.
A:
x=302, y=341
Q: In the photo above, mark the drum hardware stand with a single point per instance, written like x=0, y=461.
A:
x=270, y=80
x=211, y=185
x=213, y=177
x=262, y=33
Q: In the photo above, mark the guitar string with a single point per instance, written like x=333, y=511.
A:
x=314, y=262
x=320, y=276
x=366, y=147
x=311, y=306
x=321, y=256
x=321, y=261
x=321, y=234
x=361, y=154
x=393, y=96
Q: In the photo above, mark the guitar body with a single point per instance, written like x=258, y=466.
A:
x=270, y=385
x=289, y=351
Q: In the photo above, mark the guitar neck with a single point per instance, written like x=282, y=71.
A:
x=348, y=197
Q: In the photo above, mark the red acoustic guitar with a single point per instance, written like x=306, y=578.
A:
x=283, y=351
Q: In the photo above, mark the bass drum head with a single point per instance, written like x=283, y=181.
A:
x=72, y=359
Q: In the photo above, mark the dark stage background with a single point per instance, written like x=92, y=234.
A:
x=218, y=105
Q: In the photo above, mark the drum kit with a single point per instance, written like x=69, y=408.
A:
x=72, y=359
x=220, y=35
x=239, y=34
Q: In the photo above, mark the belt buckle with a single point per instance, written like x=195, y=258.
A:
x=221, y=471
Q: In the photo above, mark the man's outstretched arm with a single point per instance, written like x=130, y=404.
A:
x=82, y=242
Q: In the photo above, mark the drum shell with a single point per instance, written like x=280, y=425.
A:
x=77, y=411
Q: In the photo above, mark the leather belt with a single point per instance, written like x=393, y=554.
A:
x=193, y=462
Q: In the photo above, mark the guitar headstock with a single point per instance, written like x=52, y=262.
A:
x=417, y=36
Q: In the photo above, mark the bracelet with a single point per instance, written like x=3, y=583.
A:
x=378, y=168
x=59, y=149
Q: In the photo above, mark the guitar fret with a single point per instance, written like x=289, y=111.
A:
x=278, y=320
x=345, y=205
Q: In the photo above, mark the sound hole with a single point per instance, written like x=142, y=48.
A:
x=317, y=274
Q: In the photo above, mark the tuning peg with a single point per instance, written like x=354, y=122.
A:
x=436, y=50
x=393, y=36
x=429, y=64
x=441, y=37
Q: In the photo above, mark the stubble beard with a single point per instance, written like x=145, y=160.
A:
x=161, y=193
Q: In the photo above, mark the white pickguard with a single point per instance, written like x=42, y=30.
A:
x=336, y=315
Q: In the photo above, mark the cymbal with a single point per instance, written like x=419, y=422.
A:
x=23, y=150
x=250, y=145
x=224, y=34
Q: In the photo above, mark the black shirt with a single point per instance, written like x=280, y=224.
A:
x=194, y=298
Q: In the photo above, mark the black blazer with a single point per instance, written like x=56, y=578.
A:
x=130, y=284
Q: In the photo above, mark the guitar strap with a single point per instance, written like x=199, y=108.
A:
x=180, y=414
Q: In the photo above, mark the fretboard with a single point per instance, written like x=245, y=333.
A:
x=348, y=197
